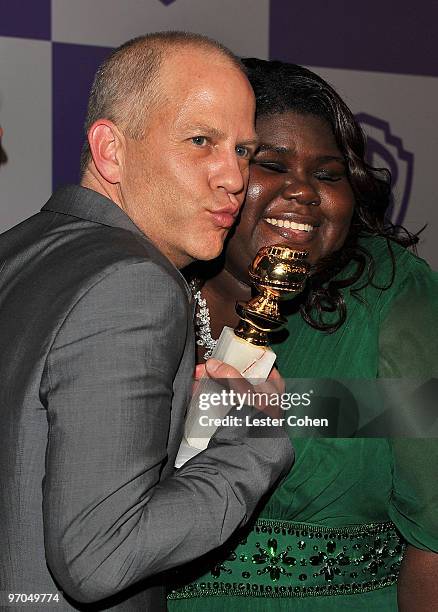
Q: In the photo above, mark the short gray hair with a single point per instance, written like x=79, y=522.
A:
x=126, y=87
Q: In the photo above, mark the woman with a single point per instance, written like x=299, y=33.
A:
x=333, y=534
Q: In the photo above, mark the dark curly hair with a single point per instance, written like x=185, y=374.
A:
x=279, y=88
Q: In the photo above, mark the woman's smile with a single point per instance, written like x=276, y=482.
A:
x=298, y=193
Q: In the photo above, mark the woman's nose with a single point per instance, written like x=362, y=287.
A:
x=302, y=192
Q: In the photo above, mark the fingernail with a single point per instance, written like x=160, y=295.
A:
x=212, y=365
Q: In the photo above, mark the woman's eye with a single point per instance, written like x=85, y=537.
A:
x=331, y=176
x=199, y=141
x=272, y=166
x=328, y=176
x=242, y=151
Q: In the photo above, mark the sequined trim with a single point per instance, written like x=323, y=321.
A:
x=202, y=320
x=286, y=559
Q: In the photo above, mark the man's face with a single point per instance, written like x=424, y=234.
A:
x=184, y=182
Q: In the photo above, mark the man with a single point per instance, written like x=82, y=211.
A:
x=96, y=339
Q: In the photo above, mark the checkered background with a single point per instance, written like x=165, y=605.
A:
x=381, y=57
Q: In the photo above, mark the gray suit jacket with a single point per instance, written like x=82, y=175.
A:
x=96, y=360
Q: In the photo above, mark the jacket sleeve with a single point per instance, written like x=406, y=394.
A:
x=108, y=519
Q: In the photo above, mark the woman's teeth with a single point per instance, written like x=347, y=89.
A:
x=305, y=227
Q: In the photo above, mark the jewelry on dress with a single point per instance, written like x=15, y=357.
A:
x=286, y=559
x=202, y=321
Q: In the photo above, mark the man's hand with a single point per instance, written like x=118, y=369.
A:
x=264, y=395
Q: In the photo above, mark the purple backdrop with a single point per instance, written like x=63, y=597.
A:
x=373, y=35
x=26, y=18
x=73, y=71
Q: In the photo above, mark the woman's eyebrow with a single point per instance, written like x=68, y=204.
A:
x=273, y=148
x=284, y=150
x=329, y=158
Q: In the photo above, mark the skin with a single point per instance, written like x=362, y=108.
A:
x=297, y=175
x=301, y=188
x=184, y=182
x=417, y=587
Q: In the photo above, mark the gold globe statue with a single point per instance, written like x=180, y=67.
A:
x=277, y=272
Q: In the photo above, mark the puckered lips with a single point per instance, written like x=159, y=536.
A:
x=292, y=227
x=226, y=215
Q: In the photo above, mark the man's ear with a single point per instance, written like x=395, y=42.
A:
x=107, y=149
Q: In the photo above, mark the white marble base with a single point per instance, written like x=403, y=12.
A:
x=253, y=362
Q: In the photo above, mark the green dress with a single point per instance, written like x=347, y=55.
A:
x=331, y=536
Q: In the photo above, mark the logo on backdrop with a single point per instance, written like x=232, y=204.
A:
x=384, y=149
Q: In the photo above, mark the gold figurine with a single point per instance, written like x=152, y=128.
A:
x=277, y=272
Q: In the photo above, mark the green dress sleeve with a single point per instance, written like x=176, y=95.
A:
x=408, y=349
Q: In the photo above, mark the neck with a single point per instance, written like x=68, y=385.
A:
x=222, y=292
x=93, y=180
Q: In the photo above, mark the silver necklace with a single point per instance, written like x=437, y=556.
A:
x=202, y=321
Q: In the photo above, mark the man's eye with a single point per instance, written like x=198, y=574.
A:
x=199, y=141
x=242, y=151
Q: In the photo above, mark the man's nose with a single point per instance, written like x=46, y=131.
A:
x=230, y=173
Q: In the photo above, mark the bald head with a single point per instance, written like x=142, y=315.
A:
x=128, y=85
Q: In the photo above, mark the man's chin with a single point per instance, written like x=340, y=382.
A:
x=210, y=250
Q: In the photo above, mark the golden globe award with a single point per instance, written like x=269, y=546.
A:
x=277, y=272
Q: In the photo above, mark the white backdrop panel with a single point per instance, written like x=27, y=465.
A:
x=111, y=22
x=25, y=114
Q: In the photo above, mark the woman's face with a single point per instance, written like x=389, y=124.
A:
x=298, y=192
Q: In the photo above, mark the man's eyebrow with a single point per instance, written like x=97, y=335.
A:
x=252, y=142
x=208, y=130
